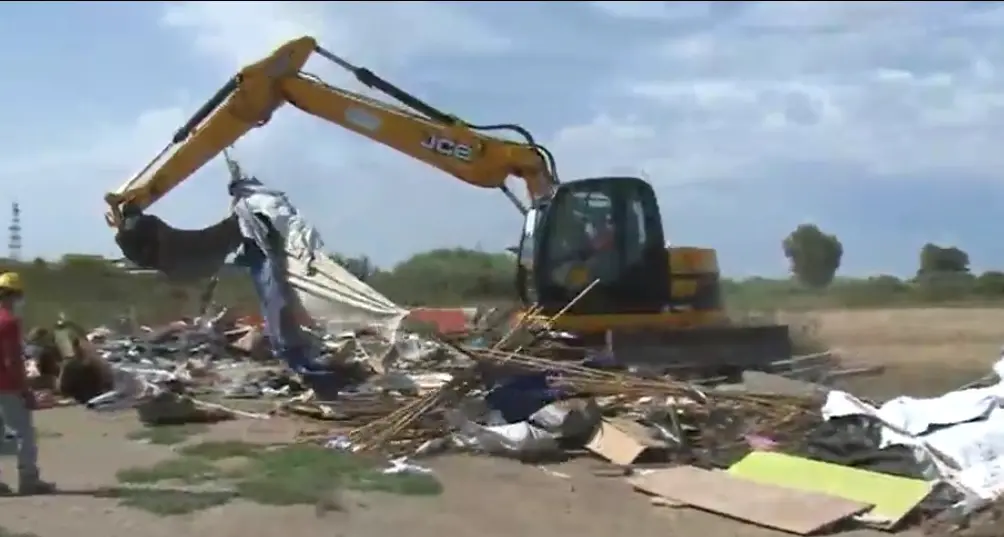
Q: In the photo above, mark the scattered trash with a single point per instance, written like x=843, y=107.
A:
x=778, y=449
x=401, y=465
x=769, y=439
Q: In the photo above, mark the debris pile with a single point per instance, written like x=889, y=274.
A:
x=529, y=398
x=778, y=449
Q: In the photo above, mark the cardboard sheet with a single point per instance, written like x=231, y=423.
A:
x=621, y=441
x=892, y=496
x=766, y=505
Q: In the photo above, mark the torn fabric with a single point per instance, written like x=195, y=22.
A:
x=326, y=294
x=324, y=290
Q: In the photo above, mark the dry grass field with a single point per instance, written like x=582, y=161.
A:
x=925, y=351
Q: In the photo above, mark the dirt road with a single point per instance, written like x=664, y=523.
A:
x=482, y=496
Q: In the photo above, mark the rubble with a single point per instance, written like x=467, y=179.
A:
x=779, y=449
x=517, y=395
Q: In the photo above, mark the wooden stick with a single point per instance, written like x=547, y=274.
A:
x=409, y=414
x=234, y=411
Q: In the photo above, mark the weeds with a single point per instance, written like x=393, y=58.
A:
x=277, y=475
x=4, y=532
x=188, y=470
x=168, y=435
x=166, y=502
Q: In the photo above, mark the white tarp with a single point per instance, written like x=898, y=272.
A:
x=333, y=297
x=959, y=435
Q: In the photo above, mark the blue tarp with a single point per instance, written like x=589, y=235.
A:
x=519, y=396
x=284, y=334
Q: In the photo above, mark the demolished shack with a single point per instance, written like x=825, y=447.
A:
x=296, y=282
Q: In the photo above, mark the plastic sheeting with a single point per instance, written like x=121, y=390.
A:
x=285, y=335
x=328, y=295
x=339, y=301
x=539, y=436
x=958, y=436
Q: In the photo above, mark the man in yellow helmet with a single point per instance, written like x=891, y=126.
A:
x=16, y=398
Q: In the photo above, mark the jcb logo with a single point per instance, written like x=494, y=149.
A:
x=449, y=148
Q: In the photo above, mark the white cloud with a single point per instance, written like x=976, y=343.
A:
x=662, y=11
x=890, y=88
x=148, y=133
x=845, y=15
x=217, y=38
x=240, y=32
x=680, y=92
x=60, y=185
x=359, y=179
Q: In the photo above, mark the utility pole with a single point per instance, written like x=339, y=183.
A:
x=14, y=242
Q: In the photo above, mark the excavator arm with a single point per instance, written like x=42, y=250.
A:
x=650, y=305
x=416, y=129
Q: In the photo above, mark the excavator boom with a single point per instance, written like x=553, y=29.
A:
x=416, y=129
x=651, y=305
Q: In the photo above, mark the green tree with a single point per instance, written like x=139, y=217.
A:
x=814, y=256
x=945, y=286
x=454, y=276
x=886, y=283
x=937, y=260
x=84, y=260
x=943, y=274
x=990, y=284
x=870, y=292
x=361, y=267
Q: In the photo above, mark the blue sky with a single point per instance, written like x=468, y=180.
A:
x=879, y=121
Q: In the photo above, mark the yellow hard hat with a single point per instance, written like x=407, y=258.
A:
x=11, y=281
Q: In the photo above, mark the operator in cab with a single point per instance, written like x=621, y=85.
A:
x=17, y=401
x=585, y=250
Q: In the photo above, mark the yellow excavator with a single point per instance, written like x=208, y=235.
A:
x=652, y=303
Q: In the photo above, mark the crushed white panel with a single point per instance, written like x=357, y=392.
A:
x=332, y=296
x=958, y=436
x=337, y=300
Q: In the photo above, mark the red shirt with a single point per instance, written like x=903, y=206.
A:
x=12, y=373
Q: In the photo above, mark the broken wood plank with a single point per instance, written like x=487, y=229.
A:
x=765, y=505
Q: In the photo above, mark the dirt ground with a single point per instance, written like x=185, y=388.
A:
x=926, y=351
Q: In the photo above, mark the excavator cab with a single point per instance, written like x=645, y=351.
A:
x=651, y=306
x=607, y=229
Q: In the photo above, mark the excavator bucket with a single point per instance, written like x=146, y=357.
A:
x=327, y=294
x=184, y=255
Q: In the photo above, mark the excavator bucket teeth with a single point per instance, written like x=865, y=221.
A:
x=704, y=352
x=179, y=254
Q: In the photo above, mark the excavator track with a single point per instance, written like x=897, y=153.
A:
x=696, y=353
